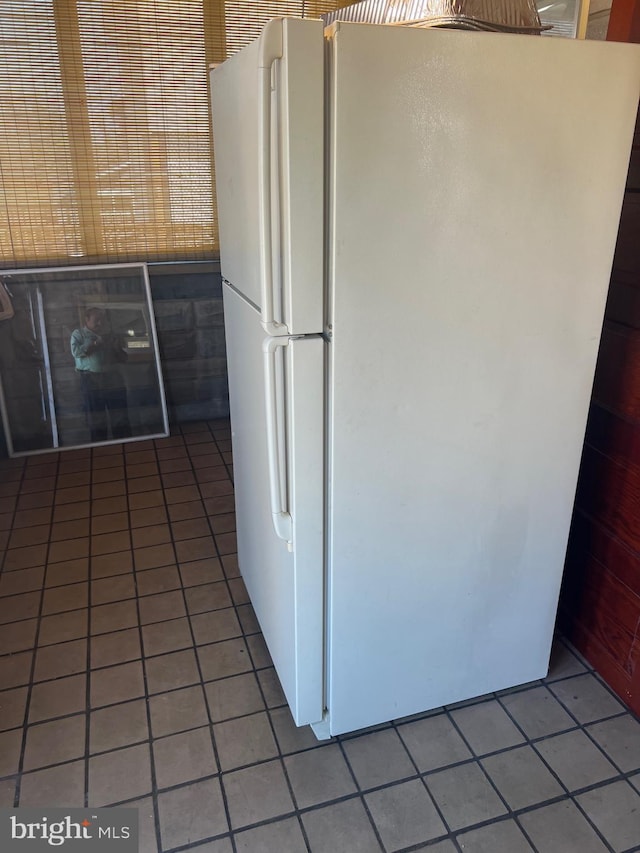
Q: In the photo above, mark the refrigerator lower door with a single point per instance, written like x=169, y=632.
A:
x=283, y=570
x=473, y=223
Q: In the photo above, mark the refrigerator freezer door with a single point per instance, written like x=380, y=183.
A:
x=473, y=223
x=267, y=104
x=286, y=585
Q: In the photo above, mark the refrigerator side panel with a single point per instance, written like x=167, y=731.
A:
x=473, y=224
x=285, y=586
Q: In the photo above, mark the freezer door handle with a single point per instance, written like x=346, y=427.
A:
x=274, y=402
x=271, y=49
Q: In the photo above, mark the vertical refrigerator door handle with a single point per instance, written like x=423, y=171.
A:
x=277, y=488
x=270, y=47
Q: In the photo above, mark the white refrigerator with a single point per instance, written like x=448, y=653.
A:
x=417, y=228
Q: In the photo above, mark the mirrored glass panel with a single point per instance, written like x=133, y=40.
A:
x=79, y=358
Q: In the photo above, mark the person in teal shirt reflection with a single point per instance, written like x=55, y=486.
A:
x=104, y=397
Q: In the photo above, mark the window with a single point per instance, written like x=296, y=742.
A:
x=105, y=139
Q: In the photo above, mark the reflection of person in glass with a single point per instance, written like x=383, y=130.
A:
x=104, y=397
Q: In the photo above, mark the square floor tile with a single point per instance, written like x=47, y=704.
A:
x=184, y=757
x=151, y=515
x=59, y=599
x=271, y=688
x=58, y=698
x=190, y=528
x=110, y=565
x=186, y=510
x=213, y=627
x=73, y=529
x=319, y=775
x=230, y=565
x=191, y=813
x=23, y=580
x=119, y=725
x=118, y=588
x=561, y=827
x=615, y=810
x=10, y=745
x=55, y=742
x=259, y=651
x=244, y=740
x=195, y=549
x=161, y=637
x=106, y=618
x=586, y=698
x=14, y=608
x=537, y=712
x=63, y=627
x=220, y=660
x=343, y=826
x=486, y=727
x=153, y=534
x=177, y=711
x=116, y=684
x=70, y=549
x=211, y=596
x=154, y=556
x=277, y=837
x=145, y=500
x=521, y=777
x=109, y=523
x=25, y=558
x=233, y=697
x=161, y=607
x=29, y=535
x=57, y=787
x=12, y=707
x=257, y=793
x=620, y=739
x=168, y=671
x=378, y=758
x=464, y=795
x=201, y=571
x=502, y=837
x=120, y=775
x=15, y=669
x=404, y=815
x=62, y=574
x=248, y=619
x=116, y=647
x=19, y=636
x=147, y=838
x=563, y=663
x=575, y=759
x=292, y=738
x=236, y=585
x=434, y=742
x=153, y=581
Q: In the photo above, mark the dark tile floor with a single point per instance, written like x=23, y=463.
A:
x=132, y=671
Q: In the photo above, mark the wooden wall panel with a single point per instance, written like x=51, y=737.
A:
x=600, y=599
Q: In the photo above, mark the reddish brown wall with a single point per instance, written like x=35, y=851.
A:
x=600, y=601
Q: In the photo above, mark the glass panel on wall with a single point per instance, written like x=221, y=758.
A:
x=564, y=18
x=78, y=358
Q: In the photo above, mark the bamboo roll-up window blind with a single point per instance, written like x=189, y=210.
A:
x=105, y=126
